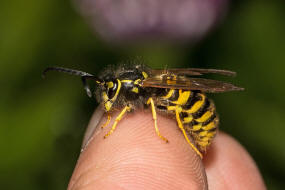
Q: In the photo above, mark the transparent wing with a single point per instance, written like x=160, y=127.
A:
x=205, y=85
x=193, y=71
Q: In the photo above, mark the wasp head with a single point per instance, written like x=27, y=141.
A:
x=109, y=92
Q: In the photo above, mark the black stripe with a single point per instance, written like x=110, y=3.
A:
x=174, y=95
x=213, y=130
x=161, y=107
x=208, y=131
x=194, y=122
x=183, y=115
x=202, y=109
x=194, y=97
x=161, y=91
x=198, y=132
x=171, y=104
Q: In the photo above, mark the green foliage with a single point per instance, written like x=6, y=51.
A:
x=43, y=121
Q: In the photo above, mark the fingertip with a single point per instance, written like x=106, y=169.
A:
x=134, y=157
x=229, y=166
x=92, y=126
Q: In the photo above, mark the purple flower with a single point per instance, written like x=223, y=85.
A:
x=148, y=20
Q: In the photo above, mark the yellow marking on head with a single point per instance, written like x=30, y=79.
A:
x=109, y=102
x=196, y=127
x=205, y=116
x=135, y=90
x=145, y=75
x=118, y=90
x=110, y=84
x=183, y=97
x=169, y=94
x=197, y=105
x=188, y=119
x=209, y=126
x=98, y=82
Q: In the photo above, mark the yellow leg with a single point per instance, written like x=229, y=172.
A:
x=108, y=120
x=150, y=101
x=119, y=117
x=180, y=125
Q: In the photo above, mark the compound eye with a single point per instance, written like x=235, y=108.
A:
x=111, y=89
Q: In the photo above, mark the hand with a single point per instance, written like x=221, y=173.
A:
x=134, y=157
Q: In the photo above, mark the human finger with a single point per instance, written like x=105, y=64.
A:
x=229, y=166
x=134, y=157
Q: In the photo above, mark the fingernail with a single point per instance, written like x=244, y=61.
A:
x=92, y=126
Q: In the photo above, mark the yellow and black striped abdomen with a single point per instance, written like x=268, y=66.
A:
x=202, y=124
x=197, y=113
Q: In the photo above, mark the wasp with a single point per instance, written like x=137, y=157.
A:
x=179, y=93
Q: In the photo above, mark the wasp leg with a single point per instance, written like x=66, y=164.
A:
x=180, y=125
x=108, y=121
x=150, y=101
x=119, y=117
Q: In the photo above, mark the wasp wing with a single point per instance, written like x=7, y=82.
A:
x=194, y=71
x=204, y=85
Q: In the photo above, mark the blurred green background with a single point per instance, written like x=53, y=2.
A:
x=43, y=121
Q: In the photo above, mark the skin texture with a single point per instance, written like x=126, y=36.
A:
x=134, y=157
